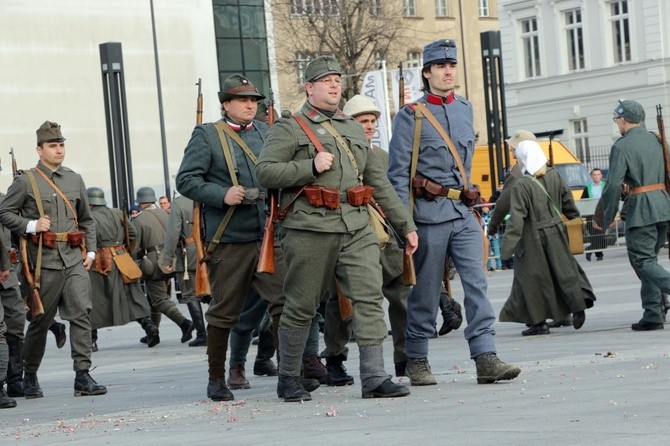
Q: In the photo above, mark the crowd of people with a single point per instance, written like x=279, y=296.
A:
x=96, y=266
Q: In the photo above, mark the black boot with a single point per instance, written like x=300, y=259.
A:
x=452, y=314
x=217, y=390
x=336, y=373
x=217, y=347
x=94, y=340
x=152, y=338
x=58, y=330
x=156, y=319
x=187, y=328
x=15, y=370
x=195, y=309
x=290, y=388
x=84, y=385
x=5, y=401
x=31, y=386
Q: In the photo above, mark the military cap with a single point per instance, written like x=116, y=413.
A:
x=360, y=105
x=520, y=135
x=631, y=111
x=49, y=132
x=237, y=85
x=321, y=66
x=441, y=51
x=96, y=196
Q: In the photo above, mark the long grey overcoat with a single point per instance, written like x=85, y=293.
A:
x=548, y=281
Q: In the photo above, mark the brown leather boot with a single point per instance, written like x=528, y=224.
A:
x=313, y=368
x=236, y=378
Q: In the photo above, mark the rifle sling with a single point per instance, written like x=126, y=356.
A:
x=40, y=209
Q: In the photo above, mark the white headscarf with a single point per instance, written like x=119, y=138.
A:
x=531, y=156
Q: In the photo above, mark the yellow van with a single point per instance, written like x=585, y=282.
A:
x=569, y=166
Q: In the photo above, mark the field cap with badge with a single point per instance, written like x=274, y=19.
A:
x=631, y=111
x=321, y=66
x=49, y=132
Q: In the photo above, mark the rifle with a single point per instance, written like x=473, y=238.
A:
x=664, y=144
x=202, y=287
x=33, y=299
x=408, y=271
x=266, y=259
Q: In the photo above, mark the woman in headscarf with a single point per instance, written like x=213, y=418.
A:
x=548, y=281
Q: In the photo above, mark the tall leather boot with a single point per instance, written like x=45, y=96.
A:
x=217, y=347
x=5, y=401
x=195, y=309
x=153, y=336
x=15, y=369
x=292, y=344
x=376, y=383
x=156, y=319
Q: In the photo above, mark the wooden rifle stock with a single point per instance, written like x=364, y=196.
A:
x=202, y=287
x=33, y=300
x=345, y=304
x=266, y=259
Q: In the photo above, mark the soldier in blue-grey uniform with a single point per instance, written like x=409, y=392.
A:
x=326, y=233
x=637, y=159
x=446, y=226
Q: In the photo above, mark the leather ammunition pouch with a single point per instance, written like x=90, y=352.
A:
x=360, y=195
x=103, y=261
x=13, y=256
x=319, y=196
x=470, y=197
x=49, y=239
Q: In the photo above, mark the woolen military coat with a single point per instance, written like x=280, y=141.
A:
x=180, y=228
x=113, y=302
x=548, y=281
x=637, y=159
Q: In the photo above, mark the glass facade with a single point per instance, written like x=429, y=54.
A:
x=241, y=41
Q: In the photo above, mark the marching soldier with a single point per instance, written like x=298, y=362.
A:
x=48, y=205
x=115, y=302
x=151, y=225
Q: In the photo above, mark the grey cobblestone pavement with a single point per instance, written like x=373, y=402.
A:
x=603, y=384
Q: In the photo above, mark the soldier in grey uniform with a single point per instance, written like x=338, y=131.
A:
x=64, y=285
x=637, y=159
x=337, y=332
x=446, y=225
x=6, y=271
x=114, y=302
x=321, y=243
x=151, y=226
x=179, y=243
x=218, y=171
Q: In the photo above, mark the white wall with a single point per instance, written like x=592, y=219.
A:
x=50, y=70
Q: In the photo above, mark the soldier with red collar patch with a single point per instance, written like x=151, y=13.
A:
x=446, y=226
x=322, y=161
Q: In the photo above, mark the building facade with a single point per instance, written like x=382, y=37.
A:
x=567, y=62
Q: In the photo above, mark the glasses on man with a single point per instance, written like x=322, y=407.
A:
x=615, y=118
x=330, y=80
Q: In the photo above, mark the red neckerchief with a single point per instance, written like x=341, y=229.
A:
x=439, y=100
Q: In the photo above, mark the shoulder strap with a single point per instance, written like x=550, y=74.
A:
x=221, y=126
x=558, y=212
x=40, y=209
x=309, y=132
x=58, y=191
x=335, y=134
x=447, y=139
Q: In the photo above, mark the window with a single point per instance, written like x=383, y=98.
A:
x=314, y=7
x=301, y=61
x=620, y=30
x=575, y=39
x=580, y=135
x=441, y=8
x=531, y=47
x=409, y=8
x=375, y=7
x=413, y=59
x=484, y=8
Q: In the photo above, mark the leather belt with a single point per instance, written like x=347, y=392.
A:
x=433, y=188
x=647, y=188
x=153, y=249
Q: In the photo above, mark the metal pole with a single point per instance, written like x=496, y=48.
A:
x=166, y=170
